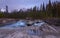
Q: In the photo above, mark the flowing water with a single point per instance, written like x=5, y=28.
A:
x=22, y=23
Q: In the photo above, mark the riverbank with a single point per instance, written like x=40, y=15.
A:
x=53, y=21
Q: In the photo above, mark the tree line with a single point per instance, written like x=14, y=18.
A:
x=51, y=10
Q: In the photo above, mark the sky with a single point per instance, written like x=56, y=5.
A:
x=19, y=4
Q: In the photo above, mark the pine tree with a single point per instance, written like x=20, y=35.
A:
x=49, y=9
x=6, y=9
x=43, y=7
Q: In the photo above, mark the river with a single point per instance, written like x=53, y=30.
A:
x=20, y=29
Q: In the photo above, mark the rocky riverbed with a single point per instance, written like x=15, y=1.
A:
x=23, y=32
x=40, y=31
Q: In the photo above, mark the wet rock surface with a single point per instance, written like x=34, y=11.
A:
x=27, y=32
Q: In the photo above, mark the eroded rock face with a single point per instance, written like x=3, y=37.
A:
x=23, y=32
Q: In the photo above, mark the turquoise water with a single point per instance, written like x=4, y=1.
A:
x=21, y=23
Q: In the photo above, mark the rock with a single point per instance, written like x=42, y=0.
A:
x=51, y=36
